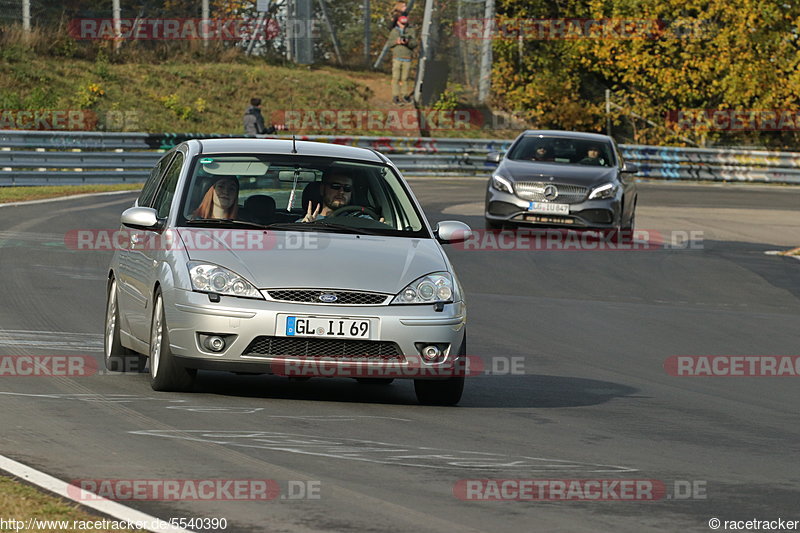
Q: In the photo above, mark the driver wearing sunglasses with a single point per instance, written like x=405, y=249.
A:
x=336, y=191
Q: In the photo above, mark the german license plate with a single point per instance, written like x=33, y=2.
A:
x=545, y=207
x=328, y=327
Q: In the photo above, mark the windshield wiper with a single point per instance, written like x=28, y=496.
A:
x=295, y=226
x=350, y=229
x=322, y=225
x=225, y=222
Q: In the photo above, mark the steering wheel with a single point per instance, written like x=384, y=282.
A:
x=348, y=209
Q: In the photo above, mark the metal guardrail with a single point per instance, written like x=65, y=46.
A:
x=714, y=164
x=37, y=157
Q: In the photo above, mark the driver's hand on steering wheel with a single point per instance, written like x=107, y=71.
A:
x=311, y=217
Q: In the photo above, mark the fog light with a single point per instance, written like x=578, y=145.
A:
x=431, y=353
x=214, y=343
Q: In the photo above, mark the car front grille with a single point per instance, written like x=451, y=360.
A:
x=312, y=296
x=534, y=191
x=334, y=349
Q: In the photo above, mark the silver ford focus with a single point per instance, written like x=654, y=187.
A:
x=292, y=258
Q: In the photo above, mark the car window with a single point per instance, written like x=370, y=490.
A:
x=163, y=198
x=150, y=186
x=562, y=150
x=276, y=189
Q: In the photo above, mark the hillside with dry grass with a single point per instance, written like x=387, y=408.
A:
x=183, y=87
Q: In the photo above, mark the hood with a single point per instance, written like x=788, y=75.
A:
x=318, y=260
x=585, y=175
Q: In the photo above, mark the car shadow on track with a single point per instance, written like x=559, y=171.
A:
x=541, y=391
x=528, y=391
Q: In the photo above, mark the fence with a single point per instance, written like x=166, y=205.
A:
x=41, y=157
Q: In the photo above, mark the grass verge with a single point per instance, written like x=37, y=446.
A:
x=21, y=194
x=793, y=251
x=21, y=502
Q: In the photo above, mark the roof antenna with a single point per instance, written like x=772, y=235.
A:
x=294, y=144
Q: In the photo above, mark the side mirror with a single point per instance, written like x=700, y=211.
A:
x=630, y=168
x=494, y=157
x=141, y=218
x=452, y=231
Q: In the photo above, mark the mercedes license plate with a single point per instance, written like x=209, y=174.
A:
x=545, y=207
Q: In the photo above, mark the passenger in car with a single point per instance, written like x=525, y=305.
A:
x=221, y=200
x=543, y=153
x=592, y=157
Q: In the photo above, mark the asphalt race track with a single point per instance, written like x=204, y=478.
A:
x=578, y=340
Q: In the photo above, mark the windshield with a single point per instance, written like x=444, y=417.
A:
x=562, y=150
x=299, y=194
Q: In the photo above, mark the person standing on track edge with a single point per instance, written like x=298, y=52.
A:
x=402, y=40
x=254, y=120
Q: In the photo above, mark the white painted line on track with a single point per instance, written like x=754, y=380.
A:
x=107, y=507
x=380, y=452
x=52, y=340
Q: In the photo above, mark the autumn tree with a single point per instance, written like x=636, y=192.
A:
x=656, y=58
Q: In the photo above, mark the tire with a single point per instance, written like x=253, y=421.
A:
x=626, y=233
x=631, y=221
x=166, y=375
x=375, y=381
x=441, y=391
x=117, y=357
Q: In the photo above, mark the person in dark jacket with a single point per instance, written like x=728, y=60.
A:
x=593, y=157
x=402, y=40
x=254, y=121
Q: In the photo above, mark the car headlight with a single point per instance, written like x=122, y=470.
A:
x=207, y=277
x=433, y=288
x=607, y=190
x=502, y=184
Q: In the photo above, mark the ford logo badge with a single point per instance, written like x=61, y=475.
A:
x=328, y=298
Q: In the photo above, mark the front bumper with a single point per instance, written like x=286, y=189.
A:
x=503, y=207
x=189, y=314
